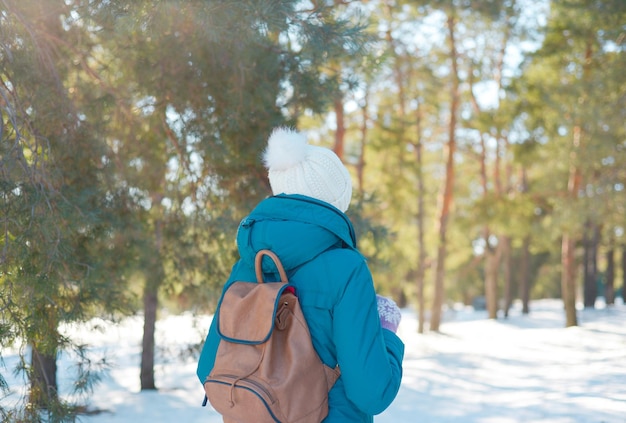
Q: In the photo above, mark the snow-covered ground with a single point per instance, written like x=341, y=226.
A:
x=521, y=369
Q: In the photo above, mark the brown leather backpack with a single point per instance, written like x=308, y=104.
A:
x=266, y=369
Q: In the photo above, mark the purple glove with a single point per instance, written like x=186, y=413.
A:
x=389, y=313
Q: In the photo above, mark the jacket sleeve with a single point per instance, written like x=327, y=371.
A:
x=370, y=358
x=209, y=350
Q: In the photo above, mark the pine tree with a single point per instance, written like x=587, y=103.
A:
x=56, y=216
x=570, y=97
x=200, y=86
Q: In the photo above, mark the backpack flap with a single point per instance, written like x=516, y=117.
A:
x=247, y=311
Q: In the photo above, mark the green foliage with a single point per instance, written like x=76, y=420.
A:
x=570, y=86
x=532, y=121
x=130, y=142
x=131, y=131
x=56, y=217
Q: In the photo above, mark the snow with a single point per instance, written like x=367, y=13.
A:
x=525, y=368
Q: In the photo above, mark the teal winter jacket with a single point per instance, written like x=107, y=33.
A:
x=317, y=247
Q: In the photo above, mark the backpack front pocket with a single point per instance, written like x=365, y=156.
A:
x=242, y=399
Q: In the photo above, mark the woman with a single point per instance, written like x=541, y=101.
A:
x=305, y=224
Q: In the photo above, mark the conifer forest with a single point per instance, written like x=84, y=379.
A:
x=486, y=140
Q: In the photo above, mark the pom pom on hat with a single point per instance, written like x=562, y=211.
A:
x=295, y=167
x=285, y=149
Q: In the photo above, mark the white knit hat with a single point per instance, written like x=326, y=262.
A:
x=296, y=167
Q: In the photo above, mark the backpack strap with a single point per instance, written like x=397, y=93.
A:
x=258, y=260
x=247, y=310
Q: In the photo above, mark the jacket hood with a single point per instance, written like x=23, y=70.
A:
x=296, y=227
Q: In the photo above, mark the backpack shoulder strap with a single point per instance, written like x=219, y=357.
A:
x=247, y=309
x=258, y=266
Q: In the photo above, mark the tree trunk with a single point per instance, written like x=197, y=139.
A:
x=590, y=265
x=43, y=384
x=525, y=276
x=435, y=319
x=446, y=198
x=609, y=287
x=492, y=261
x=508, y=281
x=43, y=380
x=421, y=255
x=150, y=304
x=491, y=253
x=586, y=250
x=568, y=280
x=341, y=126
x=624, y=273
x=568, y=242
x=360, y=168
x=525, y=264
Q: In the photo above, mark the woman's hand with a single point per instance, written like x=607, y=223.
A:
x=389, y=313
